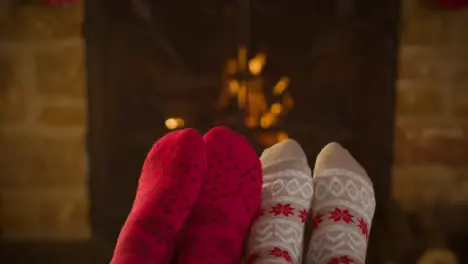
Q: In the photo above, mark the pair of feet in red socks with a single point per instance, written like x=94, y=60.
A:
x=209, y=186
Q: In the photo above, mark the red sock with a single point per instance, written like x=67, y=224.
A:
x=219, y=223
x=168, y=188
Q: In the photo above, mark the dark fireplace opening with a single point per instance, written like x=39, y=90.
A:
x=149, y=61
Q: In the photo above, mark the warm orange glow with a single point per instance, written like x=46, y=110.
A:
x=242, y=58
x=251, y=98
x=267, y=120
x=282, y=136
x=281, y=85
x=242, y=96
x=267, y=139
x=276, y=108
x=231, y=66
x=251, y=122
x=174, y=123
x=256, y=64
x=233, y=87
x=288, y=102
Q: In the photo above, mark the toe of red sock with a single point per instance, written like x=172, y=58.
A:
x=169, y=187
x=173, y=154
x=233, y=167
x=230, y=197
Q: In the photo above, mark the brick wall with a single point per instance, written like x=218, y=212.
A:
x=431, y=149
x=42, y=123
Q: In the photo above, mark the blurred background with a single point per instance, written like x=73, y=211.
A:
x=86, y=87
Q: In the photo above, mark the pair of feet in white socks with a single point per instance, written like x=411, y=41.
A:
x=339, y=196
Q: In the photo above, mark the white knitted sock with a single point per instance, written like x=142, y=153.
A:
x=277, y=233
x=343, y=208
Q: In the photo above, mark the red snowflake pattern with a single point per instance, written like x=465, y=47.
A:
x=364, y=229
x=341, y=215
x=260, y=213
x=285, y=210
x=342, y=260
x=318, y=218
x=252, y=258
x=287, y=257
x=279, y=253
x=303, y=215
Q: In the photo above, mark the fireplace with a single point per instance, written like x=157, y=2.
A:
x=150, y=61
